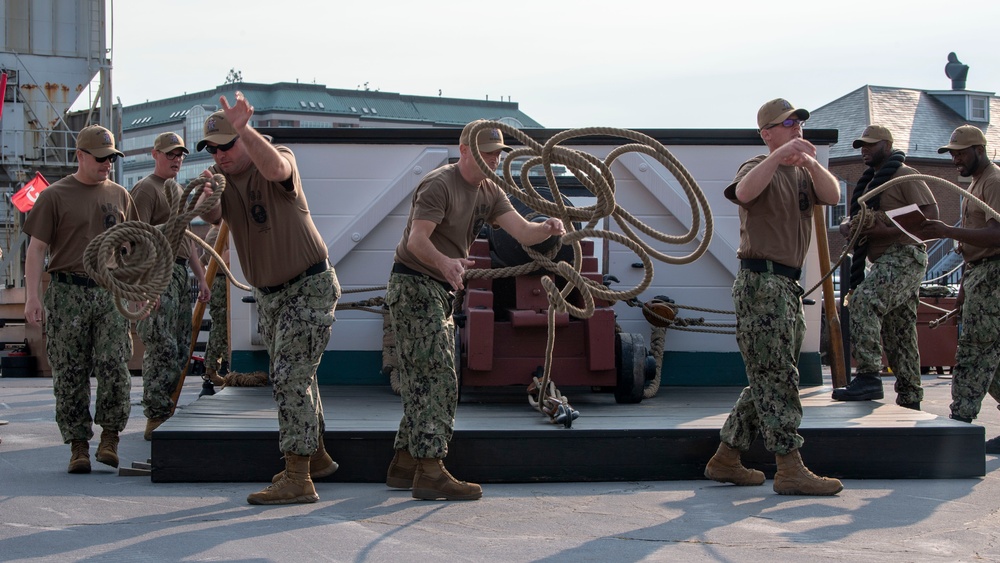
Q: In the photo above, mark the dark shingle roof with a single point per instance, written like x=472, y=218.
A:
x=920, y=123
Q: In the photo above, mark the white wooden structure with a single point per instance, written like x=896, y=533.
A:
x=359, y=184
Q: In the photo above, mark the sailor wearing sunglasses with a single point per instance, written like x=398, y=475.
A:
x=776, y=195
x=86, y=336
x=284, y=258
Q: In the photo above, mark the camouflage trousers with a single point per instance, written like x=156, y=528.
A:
x=977, y=361
x=884, y=314
x=296, y=324
x=420, y=310
x=166, y=332
x=217, y=349
x=770, y=327
x=87, y=336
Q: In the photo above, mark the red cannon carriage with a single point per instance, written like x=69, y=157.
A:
x=503, y=333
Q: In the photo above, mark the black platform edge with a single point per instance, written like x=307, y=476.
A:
x=246, y=450
x=582, y=456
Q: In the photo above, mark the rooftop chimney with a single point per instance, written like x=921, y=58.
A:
x=956, y=71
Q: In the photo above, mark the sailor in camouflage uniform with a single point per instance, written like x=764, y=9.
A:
x=285, y=259
x=977, y=360
x=448, y=209
x=883, y=302
x=86, y=335
x=776, y=195
x=166, y=331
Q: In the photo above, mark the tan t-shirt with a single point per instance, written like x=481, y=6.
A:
x=900, y=195
x=777, y=225
x=150, y=200
x=986, y=188
x=68, y=214
x=272, y=229
x=458, y=208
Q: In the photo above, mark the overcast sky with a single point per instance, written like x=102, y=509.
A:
x=567, y=63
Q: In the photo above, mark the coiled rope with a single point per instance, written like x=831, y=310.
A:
x=595, y=174
x=134, y=260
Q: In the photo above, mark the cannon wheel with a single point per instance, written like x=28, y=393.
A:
x=630, y=365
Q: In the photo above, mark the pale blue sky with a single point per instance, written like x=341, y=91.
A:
x=579, y=63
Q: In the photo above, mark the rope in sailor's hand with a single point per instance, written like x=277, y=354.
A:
x=595, y=174
x=866, y=216
x=134, y=260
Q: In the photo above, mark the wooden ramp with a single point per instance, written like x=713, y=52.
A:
x=233, y=436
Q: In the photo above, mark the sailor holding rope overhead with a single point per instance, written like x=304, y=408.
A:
x=284, y=258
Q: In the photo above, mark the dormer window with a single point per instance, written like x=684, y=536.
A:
x=971, y=106
x=979, y=108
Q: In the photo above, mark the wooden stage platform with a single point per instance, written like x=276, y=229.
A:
x=233, y=436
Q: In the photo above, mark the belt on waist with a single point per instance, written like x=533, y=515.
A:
x=760, y=265
x=398, y=268
x=316, y=268
x=74, y=279
x=982, y=261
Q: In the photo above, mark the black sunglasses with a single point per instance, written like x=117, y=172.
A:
x=790, y=122
x=111, y=157
x=223, y=148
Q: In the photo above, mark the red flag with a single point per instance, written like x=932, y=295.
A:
x=3, y=90
x=25, y=198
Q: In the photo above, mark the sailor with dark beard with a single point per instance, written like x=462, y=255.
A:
x=978, y=355
x=884, y=301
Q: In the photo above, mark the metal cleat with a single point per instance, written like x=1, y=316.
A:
x=565, y=415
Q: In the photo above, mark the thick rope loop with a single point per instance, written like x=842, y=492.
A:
x=930, y=180
x=866, y=217
x=222, y=263
x=595, y=174
x=131, y=260
x=134, y=260
x=194, y=188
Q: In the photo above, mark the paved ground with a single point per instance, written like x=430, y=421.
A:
x=49, y=515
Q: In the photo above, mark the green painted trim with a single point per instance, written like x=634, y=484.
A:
x=680, y=369
x=720, y=369
x=338, y=367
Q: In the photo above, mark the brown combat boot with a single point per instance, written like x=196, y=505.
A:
x=793, y=478
x=433, y=482
x=293, y=487
x=401, y=470
x=152, y=424
x=79, y=462
x=107, y=450
x=320, y=464
x=725, y=467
